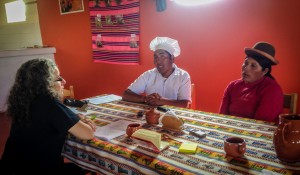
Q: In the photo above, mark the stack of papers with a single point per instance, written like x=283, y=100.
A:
x=104, y=99
x=112, y=130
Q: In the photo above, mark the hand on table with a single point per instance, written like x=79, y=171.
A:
x=87, y=121
x=154, y=99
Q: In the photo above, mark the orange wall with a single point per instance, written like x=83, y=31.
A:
x=212, y=38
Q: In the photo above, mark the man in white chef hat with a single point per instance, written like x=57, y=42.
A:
x=166, y=84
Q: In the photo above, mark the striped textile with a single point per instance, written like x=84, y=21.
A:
x=115, y=23
x=124, y=156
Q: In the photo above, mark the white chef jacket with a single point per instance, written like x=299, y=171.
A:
x=176, y=87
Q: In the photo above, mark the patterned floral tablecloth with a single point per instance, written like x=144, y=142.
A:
x=124, y=156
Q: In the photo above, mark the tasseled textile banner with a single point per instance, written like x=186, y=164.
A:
x=115, y=30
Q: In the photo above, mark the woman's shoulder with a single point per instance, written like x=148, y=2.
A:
x=236, y=82
x=48, y=99
x=46, y=103
x=51, y=107
x=270, y=83
x=44, y=99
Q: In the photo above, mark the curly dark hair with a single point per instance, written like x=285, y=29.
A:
x=33, y=79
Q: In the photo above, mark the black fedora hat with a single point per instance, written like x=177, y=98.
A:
x=263, y=49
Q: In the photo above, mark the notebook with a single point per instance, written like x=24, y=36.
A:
x=150, y=140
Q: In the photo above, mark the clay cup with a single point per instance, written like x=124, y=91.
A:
x=131, y=128
x=234, y=146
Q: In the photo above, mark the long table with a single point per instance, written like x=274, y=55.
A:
x=124, y=156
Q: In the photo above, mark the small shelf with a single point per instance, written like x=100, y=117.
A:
x=27, y=51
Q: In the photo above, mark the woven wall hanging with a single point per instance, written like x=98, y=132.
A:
x=115, y=30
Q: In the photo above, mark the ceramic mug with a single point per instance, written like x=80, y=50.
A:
x=234, y=146
x=131, y=128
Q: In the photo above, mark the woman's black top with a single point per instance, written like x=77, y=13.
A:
x=38, y=146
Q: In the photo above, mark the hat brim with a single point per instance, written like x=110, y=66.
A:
x=251, y=51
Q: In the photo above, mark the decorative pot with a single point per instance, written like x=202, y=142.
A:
x=152, y=116
x=287, y=138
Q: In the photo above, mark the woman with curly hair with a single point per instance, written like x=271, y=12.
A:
x=41, y=122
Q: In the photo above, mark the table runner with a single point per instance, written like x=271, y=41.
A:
x=123, y=156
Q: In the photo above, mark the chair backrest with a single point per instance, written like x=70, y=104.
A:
x=69, y=92
x=193, y=95
x=290, y=102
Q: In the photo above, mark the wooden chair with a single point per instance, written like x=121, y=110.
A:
x=193, y=95
x=290, y=102
x=69, y=92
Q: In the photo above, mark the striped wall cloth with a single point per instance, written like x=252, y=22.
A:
x=115, y=31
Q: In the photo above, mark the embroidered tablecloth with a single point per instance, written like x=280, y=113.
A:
x=123, y=156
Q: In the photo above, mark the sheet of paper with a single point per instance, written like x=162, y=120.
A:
x=112, y=130
x=104, y=99
x=76, y=111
